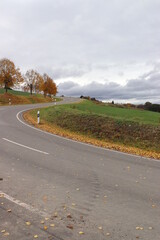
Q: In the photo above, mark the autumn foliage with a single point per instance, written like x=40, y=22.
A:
x=33, y=81
x=48, y=86
x=9, y=74
x=37, y=83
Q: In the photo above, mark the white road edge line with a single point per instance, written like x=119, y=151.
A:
x=82, y=143
x=24, y=205
x=21, y=145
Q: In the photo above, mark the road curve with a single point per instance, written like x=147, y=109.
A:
x=79, y=191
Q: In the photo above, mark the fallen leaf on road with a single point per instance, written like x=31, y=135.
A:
x=6, y=234
x=1, y=195
x=35, y=236
x=69, y=215
x=52, y=225
x=139, y=228
x=55, y=214
x=150, y=228
x=9, y=210
x=81, y=232
x=100, y=228
x=107, y=234
x=3, y=231
x=28, y=223
x=64, y=207
x=45, y=227
x=46, y=219
x=42, y=222
x=70, y=226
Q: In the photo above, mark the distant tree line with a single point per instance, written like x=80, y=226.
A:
x=150, y=107
x=89, y=98
x=31, y=81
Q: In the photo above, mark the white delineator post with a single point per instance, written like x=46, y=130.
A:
x=54, y=101
x=38, y=117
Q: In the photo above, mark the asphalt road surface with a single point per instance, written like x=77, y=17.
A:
x=54, y=188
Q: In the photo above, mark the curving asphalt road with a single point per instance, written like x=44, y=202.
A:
x=86, y=192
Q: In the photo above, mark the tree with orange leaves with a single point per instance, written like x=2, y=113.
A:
x=39, y=84
x=9, y=74
x=48, y=87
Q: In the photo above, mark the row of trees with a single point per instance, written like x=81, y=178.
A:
x=150, y=107
x=32, y=80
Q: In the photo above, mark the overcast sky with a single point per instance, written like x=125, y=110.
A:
x=107, y=49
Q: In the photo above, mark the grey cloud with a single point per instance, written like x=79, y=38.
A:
x=141, y=89
x=68, y=86
x=89, y=31
x=65, y=71
x=68, y=39
x=70, y=71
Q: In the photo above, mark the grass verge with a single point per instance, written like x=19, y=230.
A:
x=82, y=123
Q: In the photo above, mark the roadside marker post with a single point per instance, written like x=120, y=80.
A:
x=55, y=101
x=38, y=117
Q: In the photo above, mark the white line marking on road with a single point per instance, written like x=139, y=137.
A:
x=24, y=205
x=21, y=145
x=82, y=143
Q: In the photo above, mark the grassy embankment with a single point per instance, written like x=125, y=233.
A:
x=19, y=97
x=129, y=130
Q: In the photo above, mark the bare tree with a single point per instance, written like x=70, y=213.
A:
x=33, y=81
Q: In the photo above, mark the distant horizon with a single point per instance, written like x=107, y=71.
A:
x=116, y=101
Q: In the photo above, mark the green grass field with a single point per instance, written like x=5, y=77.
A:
x=130, y=127
x=20, y=93
x=135, y=115
x=122, y=114
x=2, y=91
